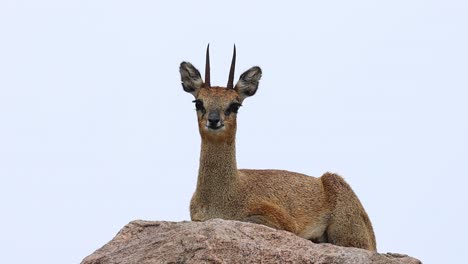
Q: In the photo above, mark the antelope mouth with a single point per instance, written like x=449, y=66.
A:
x=215, y=127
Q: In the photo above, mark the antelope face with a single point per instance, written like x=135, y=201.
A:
x=217, y=106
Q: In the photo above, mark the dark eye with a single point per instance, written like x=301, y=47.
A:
x=233, y=108
x=199, y=106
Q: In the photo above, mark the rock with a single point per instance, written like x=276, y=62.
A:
x=224, y=241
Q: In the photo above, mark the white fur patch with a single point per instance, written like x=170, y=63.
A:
x=313, y=231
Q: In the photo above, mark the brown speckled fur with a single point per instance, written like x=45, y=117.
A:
x=321, y=209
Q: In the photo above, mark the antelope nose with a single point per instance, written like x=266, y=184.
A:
x=213, y=119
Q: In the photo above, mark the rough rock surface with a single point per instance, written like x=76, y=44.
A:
x=223, y=241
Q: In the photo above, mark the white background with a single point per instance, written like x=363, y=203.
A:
x=96, y=131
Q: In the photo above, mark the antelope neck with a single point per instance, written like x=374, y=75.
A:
x=218, y=168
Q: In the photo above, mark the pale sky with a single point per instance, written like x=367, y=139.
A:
x=96, y=131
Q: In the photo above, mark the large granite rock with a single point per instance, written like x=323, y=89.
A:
x=223, y=241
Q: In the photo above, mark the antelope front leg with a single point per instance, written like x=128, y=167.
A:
x=271, y=215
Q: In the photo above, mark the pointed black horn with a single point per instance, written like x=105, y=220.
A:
x=207, y=67
x=230, y=84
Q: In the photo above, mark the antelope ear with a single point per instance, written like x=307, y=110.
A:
x=191, y=78
x=248, y=82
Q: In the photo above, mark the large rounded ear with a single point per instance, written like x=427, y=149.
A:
x=248, y=82
x=191, y=78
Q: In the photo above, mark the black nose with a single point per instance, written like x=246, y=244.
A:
x=213, y=119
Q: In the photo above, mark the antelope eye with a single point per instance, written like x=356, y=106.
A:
x=199, y=105
x=233, y=108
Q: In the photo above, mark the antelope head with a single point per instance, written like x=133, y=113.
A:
x=217, y=106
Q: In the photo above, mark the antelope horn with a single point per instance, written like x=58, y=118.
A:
x=230, y=84
x=207, y=67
